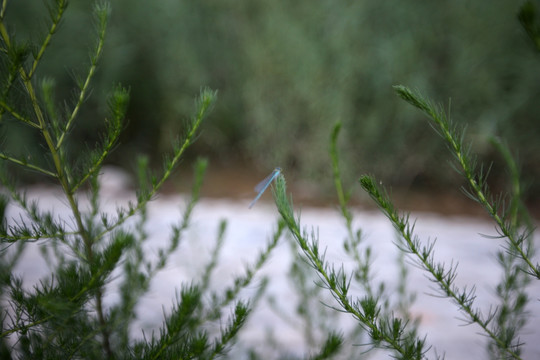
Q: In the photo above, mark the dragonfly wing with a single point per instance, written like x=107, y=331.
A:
x=263, y=184
x=255, y=200
x=261, y=187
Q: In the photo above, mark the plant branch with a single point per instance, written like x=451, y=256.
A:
x=18, y=116
x=390, y=331
x=424, y=256
x=102, y=17
x=28, y=165
x=62, y=5
x=206, y=100
x=477, y=181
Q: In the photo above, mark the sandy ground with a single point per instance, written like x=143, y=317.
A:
x=459, y=241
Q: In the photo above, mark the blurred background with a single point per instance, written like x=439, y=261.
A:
x=287, y=71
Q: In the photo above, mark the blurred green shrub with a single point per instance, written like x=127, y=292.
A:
x=286, y=71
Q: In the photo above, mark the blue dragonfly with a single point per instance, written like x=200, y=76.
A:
x=263, y=185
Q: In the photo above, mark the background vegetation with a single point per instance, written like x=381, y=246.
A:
x=64, y=314
x=287, y=71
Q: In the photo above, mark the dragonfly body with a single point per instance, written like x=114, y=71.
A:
x=263, y=185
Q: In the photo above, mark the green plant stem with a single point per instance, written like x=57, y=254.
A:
x=342, y=197
x=62, y=5
x=3, y=11
x=464, y=161
x=444, y=278
x=28, y=165
x=518, y=210
x=207, y=98
x=96, y=165
x=59, y=167
x=366, y=310
x=91, y=71
x=350, y=245
x=15, y=114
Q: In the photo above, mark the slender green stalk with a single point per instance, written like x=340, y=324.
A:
x=61, y=8
x=477, y=180
x=3, y=10
x=439, y=274
x=517, y=212
x=64, y=315
x=102, y=16
x=16, y=115
x=120, y=99
x=342, y=197
x=28, y=165
x=388, y=332
x=243, y=281
x=528, y=17
x=209, y=268
x=59, y=165
x=206, y=101
x=352, y=243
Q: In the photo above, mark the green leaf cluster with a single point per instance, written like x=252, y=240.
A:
x=64, y=315
x=502, y=324
x=287, y=72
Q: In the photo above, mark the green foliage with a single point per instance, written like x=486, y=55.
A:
x=502, y=324
x=63, y=316
x=372, y=310
x=289, y=71
x=528, y=18
x=512, y=222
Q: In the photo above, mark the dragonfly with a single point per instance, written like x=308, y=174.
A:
x=263, y=185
